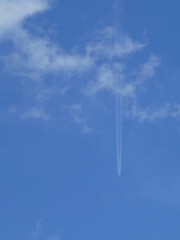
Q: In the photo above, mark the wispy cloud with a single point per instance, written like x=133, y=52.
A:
x=103, y=64
x=36, y=113
x=76, y=111
x=14, y=12
x=104, y=46
x=35, y=56
x=54, y=237
x=36, y=233
x=147, y=69
x=12, y=110
x=105, y=78
x=153, y=113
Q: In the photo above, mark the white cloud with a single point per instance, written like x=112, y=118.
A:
x=14, y=12
x=112, y=76
x=105, y=47
x=148, y=69
x=111, y=73
x=36, y=56
x=105, y=79
x=151, y=114
x=12, y=110
x=44, y=94
x=54, y=237
x=64, y=90
x=37, y=231
x=36, y=113
x=76, y=111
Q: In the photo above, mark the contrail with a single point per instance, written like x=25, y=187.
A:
x=119, y=84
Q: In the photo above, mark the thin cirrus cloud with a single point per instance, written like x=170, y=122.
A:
x=14, y=12
x=105, y=60
x=38, y=56
x=76, y=111
x=37, y=113
x=38, y=231
x=34, y=55
x=105, y=47
x=54, y=237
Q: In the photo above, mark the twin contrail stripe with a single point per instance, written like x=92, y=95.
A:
x=119, y=85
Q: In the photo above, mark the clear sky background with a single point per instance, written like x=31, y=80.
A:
x=58, y=171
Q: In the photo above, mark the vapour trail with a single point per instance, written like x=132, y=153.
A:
x=119, y=85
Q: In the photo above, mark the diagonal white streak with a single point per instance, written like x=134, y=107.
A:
x=119, y=85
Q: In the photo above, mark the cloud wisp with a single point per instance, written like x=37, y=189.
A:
x=76, y=111
x=37, y=231
x=103, y=65
x=14, y=12
x=106, y=60
x=37, y=113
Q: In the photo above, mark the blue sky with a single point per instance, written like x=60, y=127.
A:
x=59, y=71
